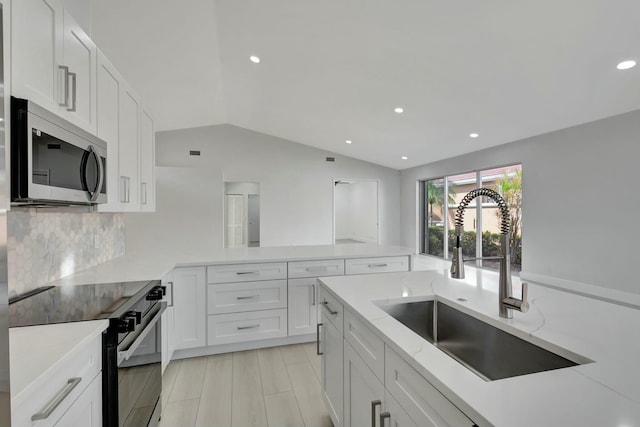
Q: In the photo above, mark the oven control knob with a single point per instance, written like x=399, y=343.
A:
x=156, y=294
x=126, y=324
x=135, y=315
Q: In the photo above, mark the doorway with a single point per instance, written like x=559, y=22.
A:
x=241, y=214
x=355, y=204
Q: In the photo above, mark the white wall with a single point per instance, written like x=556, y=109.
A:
x=296, y=189
x=81, y=12
x=364, y=211
x=580, y=200
x=342, y=199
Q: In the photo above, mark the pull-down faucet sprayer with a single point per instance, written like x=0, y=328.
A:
x=507, y=302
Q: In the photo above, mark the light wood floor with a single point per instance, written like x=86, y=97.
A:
x=273, y=387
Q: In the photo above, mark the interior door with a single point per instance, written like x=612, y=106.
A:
x=234, y=220
x=254, y=219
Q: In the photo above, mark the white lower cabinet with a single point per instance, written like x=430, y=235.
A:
x=190, y=307
x=303, y=306
x=86, y=411
x=363, y=392
x=332, y=345
x=247, y=326
x=394, y=415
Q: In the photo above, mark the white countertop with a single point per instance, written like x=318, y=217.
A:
x=36, y=350
x=156, y=262
x=603, y=393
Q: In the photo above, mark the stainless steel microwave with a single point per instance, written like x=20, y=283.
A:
x=54, y=162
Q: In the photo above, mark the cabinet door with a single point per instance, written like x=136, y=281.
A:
x=147, y=163
x=363, y=392
x=303, y=306
x=397, y=417
x=332, y=370
x=109, y=84
x=128, y=151
x=86, y=411
x=36, y=46
x=79, y=54
x=190, y=307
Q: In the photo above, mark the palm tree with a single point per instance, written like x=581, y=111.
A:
x=435, y=196
x=510, y=187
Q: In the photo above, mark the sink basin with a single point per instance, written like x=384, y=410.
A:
x=488, y=351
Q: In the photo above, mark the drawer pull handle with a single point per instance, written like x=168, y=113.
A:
x=56, y=401
x=240, y=328
x=374, y=403
x=384, y=416
x=320, y=268
x=378, y=265
x=325, y=304
x=248, y=297
x=246, y=272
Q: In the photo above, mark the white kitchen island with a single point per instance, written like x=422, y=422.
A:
x=602, y=393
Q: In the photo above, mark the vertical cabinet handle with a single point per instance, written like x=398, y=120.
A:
x=384, y=416
x=374, y=403
x=65, y=84
x=318, y=352
x=143, y=190
x=128, y=190
x=74, y=88
x=313, y=294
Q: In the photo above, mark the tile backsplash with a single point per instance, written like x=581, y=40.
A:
x=45, y=246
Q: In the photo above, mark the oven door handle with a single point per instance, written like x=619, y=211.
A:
x=126, y=354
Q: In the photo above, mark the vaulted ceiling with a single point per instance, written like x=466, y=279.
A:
x=334, y=70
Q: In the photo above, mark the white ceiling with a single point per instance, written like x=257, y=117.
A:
x=333, y=70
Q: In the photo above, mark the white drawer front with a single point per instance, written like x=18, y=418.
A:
x=332, y=308
x=246, y=272
x=249, y=296
x=365, y=342
x=377, y=265
x=85, y=364
x=422, y=401
x=329, y=267
x=249, y=326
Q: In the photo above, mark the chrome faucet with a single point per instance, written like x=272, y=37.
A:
x=506, y=301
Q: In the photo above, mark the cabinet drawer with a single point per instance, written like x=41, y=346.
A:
x=365, y=342
x=329, y=267
x=249, y=326
x=332, y=308
x=80, y=369
x=422, y=401
x=249, y=296
x=377, y=265
x=246, y=272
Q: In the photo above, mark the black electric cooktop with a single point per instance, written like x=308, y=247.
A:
x=62, y=304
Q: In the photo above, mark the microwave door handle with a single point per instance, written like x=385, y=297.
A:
x=98, y=189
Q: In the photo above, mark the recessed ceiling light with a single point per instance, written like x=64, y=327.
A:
x=473, y=135
x=348, y=141
x=254, y=59
x=625, y=65
x=404, y=157
x=399, y=110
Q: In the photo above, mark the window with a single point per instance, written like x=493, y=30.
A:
x=440, y=199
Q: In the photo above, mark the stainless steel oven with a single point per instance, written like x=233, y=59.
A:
x=53, y=161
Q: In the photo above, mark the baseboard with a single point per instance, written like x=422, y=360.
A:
x=597, y=292
x=242, y=346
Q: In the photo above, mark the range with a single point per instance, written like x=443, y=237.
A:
x=131, y=345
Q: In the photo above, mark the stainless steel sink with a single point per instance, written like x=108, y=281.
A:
x=490, y=352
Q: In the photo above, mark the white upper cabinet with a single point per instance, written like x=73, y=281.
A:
x=147, y=163
x=129, y=151
x=36, y=50
x=79, y=55
x=54, y=61
x=56, y=65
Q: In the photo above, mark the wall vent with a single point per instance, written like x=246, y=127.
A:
x=331, y=159
x=194, y=152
